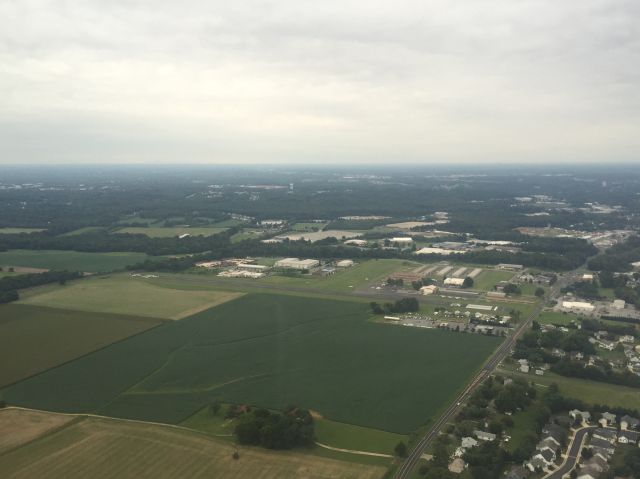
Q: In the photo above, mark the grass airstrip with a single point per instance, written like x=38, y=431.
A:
x=271, y=351
x=168, y=232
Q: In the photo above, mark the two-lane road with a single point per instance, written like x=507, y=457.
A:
x=498, y=356
x=573, y=454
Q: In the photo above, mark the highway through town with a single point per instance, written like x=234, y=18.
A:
x=498, y=356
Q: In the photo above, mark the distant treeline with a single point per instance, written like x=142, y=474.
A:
x=618, y=257
x=10, y=285
x=576, y=369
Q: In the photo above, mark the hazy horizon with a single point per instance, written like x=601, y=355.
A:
x=490, y=82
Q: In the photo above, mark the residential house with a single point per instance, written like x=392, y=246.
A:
x=629, y=422
x=608, y=419
x=608, y=435
x=516, y=472
x=583, y=416
x=457, y=466
x=484, y=436
x=628, y=437
x=602, y=446
x=468, y=442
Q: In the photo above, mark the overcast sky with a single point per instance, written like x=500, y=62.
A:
x=296, y=81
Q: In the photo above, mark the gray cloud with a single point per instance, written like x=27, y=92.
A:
x=297, y=80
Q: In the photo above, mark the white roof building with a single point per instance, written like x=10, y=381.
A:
x=299, y=264
x=454, y=281
x=578, y=306
x=618, y=304
x=442, y=251
x=401, y=240
x=431, y=289
x=345, y=263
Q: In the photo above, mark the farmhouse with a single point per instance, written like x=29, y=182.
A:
x=297, y=264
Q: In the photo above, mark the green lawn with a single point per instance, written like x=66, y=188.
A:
x=70, y=260
x=524, y=424
x=553, y=317
x=15, y=231
x=246, y=234
x=169, y=232
x=591, y=392
x=86, y=229
x=347, y=279
x=308, y=226
x=33, y=339
x=124, y=294
x=269, y=351
x=348, y=436
x=489, y=278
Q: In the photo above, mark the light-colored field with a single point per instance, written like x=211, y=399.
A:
x=124, y=294
x=162, y=232
x=14, y=231
x=104, y=449
x=69, y=260
x=407, y=225
x=20, y=426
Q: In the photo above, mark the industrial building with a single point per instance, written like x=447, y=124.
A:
x=431, y=289
x=510, y=267
x=345, y=263
x=578, y=306
x=454, y=281
x=402, y=240
x=252, y=267
x=298, y=264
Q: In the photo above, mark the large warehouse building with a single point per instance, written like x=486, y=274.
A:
x=299, y=264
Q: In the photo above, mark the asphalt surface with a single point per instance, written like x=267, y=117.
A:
x=498, y=356
x=572, y=456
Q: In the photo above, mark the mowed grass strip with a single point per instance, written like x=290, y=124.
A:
x=124, y=294
x=169, y=232
x=269, y=351
x=489, y=278
x=101, y=448
x=70, y=260
x=15, y=231
x=591, y=392
x=33, y=338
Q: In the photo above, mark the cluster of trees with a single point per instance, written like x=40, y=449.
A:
x=512, y=288
x=603, y=373
x=272, y=430
x=585, y=289
x=618, y=257
x=10, y=285
x=404, y=305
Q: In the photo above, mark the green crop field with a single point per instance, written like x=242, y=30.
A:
x=269, y=351
x=70, y=260
x=123, y=294
x=14, y=231
x=168, y=232
x=348, y=436
x=103, y=448
x=489, y=278
x=33, y=339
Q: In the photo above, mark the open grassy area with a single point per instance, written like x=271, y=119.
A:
x=347, y=279
x=489, y=278
x=20, y=426
x=102, y=448
x=14, y=231
x=348, y=436
x=86, y=229
x=33, y=339
x=70, y=260
x=168, y=232
x=124, y=294
x=308, y=226
x=591, y=392
x=270, y=351
x=553, y=317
